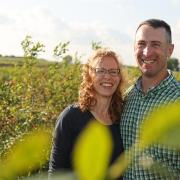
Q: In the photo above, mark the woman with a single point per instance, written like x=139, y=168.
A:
x=100, y=98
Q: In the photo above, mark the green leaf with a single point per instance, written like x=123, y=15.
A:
x=27, y=155
x=120, y=165
x=92, y=152
x=162, y=126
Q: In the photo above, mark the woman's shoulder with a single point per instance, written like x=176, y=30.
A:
x=67, y=115
x=71, y=110
x=72, y=113
x=72, y=116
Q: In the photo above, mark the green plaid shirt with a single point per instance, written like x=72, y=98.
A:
x=137, y=106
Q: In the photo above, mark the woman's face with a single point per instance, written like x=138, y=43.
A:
x=105, y=76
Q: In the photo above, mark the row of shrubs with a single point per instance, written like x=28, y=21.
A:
x=32, y=96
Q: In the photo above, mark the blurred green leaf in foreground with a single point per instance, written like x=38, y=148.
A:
x=28, y=154
x=162, y=126
x=93, y=149
x=92, y=152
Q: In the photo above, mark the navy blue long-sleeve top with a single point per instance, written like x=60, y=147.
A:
x=69, y=125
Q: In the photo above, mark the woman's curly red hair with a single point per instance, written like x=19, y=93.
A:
x=87, y=93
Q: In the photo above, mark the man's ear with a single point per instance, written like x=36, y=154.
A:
x=170, y=50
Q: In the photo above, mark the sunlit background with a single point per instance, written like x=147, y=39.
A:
x=112, y=22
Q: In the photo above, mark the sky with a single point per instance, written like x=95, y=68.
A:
x=111, y=22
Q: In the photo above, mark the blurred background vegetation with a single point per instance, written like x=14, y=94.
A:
x=34, y=91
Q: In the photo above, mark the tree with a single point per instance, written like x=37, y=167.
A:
x=61, y=49
x=173, y=64
x=96, y=45
x=31, y=49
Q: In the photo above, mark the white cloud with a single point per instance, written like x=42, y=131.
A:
x=111, y=22
x=81, y=35
x=43, y=26
x=5, y=20
x=175, y=2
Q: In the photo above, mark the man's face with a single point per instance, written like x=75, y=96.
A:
x=152, y=50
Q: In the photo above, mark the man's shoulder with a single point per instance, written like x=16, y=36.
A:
x=175, y=87
x=177, y=84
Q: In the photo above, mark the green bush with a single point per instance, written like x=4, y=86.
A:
x=32, y=96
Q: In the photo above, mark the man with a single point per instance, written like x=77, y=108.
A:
x=156, y=86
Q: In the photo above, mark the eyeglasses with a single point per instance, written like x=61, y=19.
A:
x=102, y=71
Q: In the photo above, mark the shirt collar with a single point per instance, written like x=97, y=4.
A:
x=163, y=83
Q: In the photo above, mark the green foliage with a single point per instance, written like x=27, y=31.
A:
x=33, y=93
x=29, y=153
x=131, y=74
x=162, y=128
x=92, y=152
x=177, y=76
x=173, y=64
x=159, y=128
x=92, y=148
x=61, y=49
x=31, y=100
x=96, y=45
x=30, y=48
